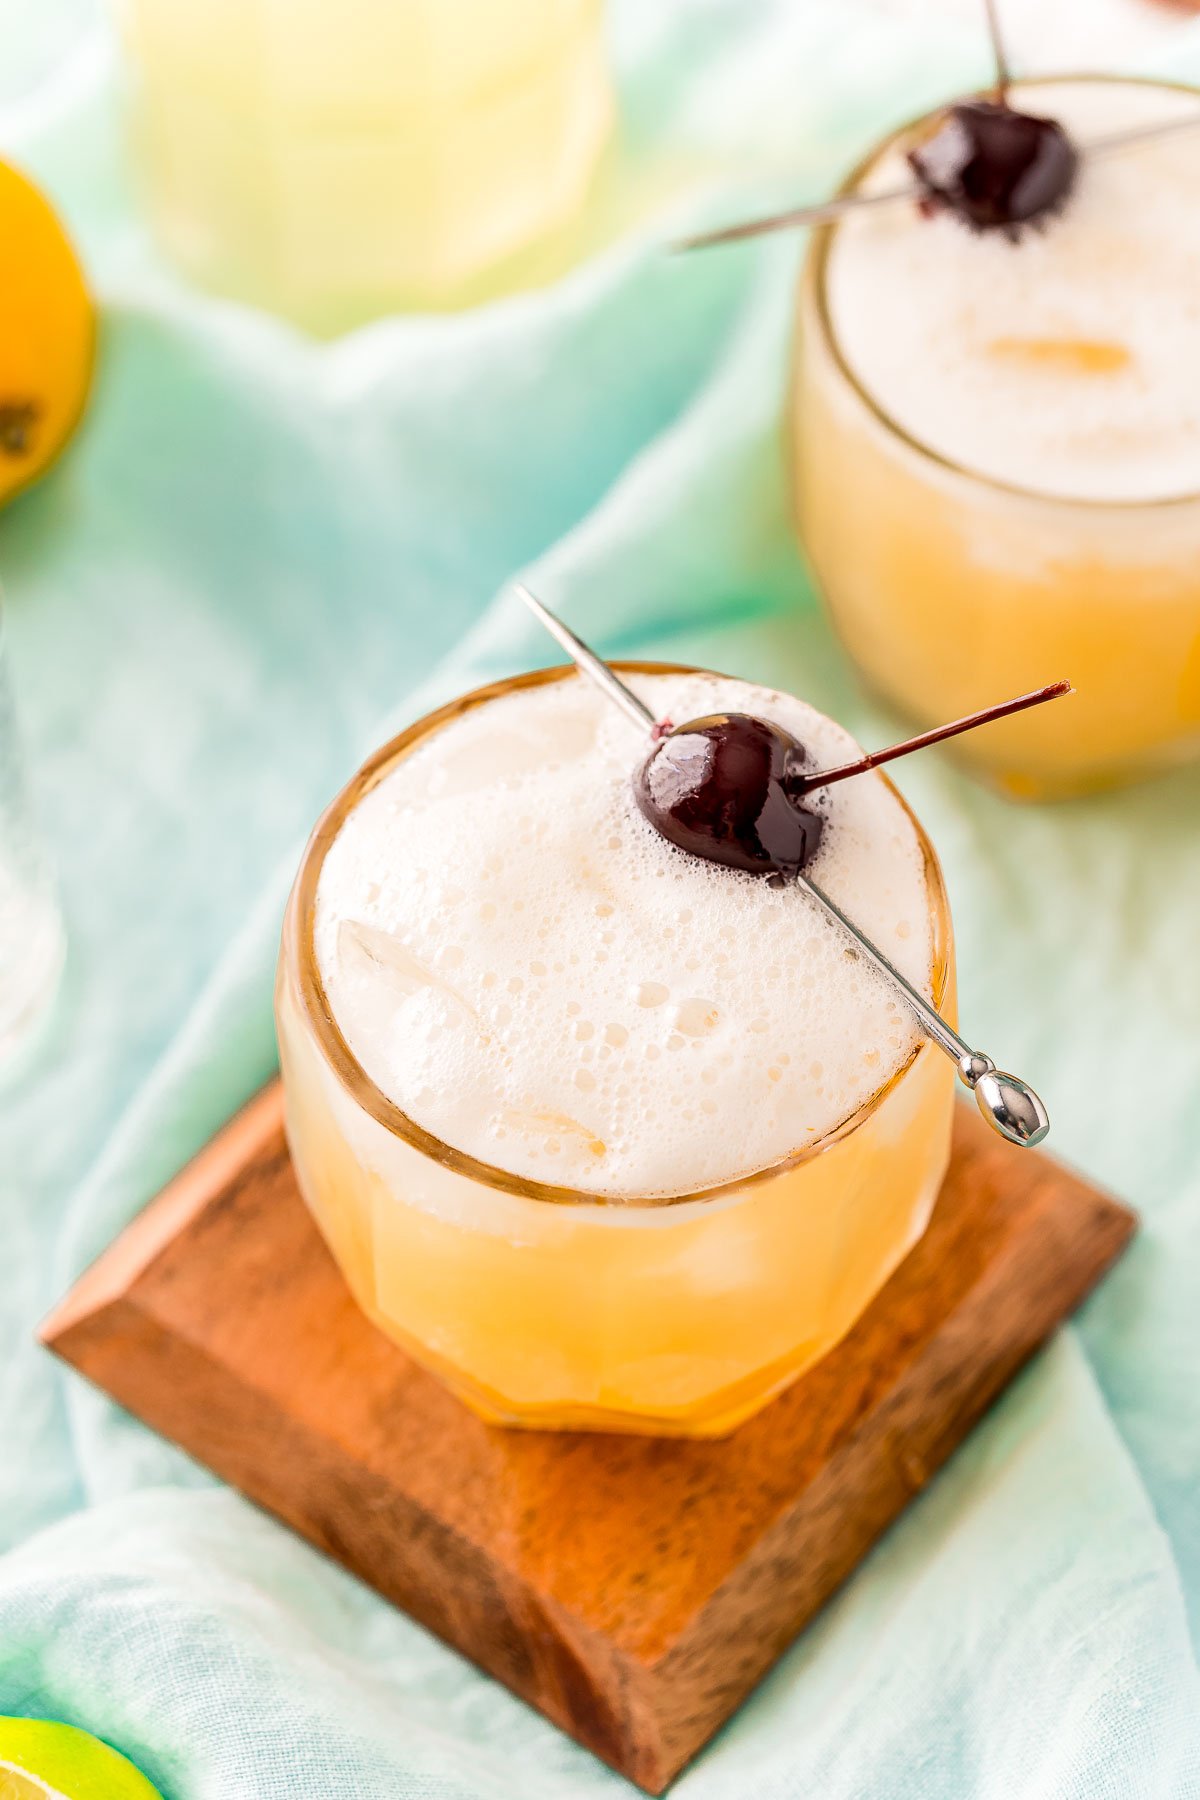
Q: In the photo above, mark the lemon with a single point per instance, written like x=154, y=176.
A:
x=40, y=1760
x=47, y=334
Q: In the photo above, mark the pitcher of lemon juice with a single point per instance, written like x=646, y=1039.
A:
x=334, y=162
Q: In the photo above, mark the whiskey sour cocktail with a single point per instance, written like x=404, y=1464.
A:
x=998, y=447
x=606, y=1134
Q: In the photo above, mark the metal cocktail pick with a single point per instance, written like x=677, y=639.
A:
x=1003, y=73
x=1008, y=1104
x=826, y=212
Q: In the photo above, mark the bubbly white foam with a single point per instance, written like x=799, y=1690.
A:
x=1067, y=363
x=536, y=976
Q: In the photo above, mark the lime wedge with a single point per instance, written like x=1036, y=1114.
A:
x=40, y=1760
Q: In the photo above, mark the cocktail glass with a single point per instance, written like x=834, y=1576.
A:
x=32, y=939
x=948, y=588
x=545, y=1306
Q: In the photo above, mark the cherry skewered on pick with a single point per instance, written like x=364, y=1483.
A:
x=718, y=796
x=994, y=167
x=731, y=788
x=726, y=788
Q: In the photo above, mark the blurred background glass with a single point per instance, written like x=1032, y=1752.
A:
x=32, y=941
x=333, y=163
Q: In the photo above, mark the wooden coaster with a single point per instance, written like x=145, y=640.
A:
x=633, y=1589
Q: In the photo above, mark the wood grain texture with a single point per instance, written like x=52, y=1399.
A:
x=219, y=1318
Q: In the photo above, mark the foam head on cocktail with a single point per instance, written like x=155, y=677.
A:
x=545, y=983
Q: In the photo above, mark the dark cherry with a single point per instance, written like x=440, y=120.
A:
x=996, y=168
x=721, y=788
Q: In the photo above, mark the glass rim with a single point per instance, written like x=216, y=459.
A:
x=815, y=276
x=354, y=1079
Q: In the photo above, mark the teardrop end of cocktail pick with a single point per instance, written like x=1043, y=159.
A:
x=1009, y=1104
x=1012, y=1108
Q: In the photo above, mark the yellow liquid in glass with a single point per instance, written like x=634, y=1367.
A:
x=334, y=162
x=678, y=1318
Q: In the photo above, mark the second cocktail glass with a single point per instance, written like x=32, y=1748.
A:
x=949, y=583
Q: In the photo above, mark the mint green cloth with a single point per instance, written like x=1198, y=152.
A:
x=259, y=555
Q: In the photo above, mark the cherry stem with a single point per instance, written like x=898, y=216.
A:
x=1003, y=76
x=825, y=777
